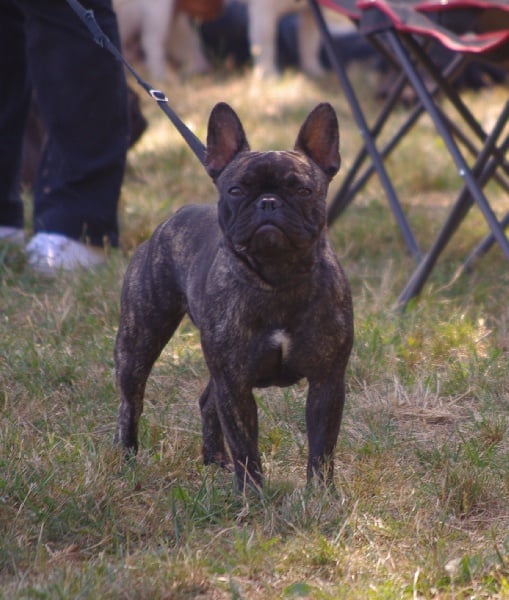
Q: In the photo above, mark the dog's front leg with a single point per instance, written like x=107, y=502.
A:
x=324, y=410
x=214, y=451
x=238, y=416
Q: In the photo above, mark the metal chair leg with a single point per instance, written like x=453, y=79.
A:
x=484, y=171
x=371, y=148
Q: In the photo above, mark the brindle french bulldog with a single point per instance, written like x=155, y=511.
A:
x=259, y=279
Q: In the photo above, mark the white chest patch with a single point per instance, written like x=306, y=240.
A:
x=281, y=339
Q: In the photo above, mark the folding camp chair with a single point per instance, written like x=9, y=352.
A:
x=402, y=31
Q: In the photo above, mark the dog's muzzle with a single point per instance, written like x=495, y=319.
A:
x=268, y=203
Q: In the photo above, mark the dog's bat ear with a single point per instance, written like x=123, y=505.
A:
x=319, y=139
x=225, y=139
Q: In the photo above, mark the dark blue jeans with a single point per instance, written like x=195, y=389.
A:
x=80, y=90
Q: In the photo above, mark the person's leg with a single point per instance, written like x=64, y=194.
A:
x=81, y=92
x=14, y=103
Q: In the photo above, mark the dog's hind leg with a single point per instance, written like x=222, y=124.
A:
x=136, y=349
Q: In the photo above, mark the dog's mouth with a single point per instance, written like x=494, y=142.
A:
x=268, y=229
x=266, y=239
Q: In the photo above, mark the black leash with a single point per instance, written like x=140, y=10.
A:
x=87, y=17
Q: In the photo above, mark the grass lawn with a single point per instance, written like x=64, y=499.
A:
x=421, y=508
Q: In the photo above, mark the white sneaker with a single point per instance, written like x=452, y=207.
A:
x=49, y=253
x=12, y=235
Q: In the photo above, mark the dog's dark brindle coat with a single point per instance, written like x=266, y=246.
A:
x=259, y=279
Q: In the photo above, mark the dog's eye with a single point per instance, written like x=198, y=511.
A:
x=304, y=192
x=235, y=191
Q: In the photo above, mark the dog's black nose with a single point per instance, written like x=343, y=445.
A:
x=268, y=203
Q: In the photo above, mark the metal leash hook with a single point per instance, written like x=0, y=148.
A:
x=158, y=95
x=88, y=19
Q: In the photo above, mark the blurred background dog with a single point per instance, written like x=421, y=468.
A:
x=164, y=33
x=264, y=17
x=168, y=33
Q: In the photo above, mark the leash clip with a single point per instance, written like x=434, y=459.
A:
x=158, y=95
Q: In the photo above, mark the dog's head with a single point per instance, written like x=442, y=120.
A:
x=272, y=204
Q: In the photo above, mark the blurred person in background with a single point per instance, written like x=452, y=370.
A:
x=80, y=90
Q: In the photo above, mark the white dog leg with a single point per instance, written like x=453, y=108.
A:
x=263, y=23
x=156, y=16
x=309, y=45
x=184, y=46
